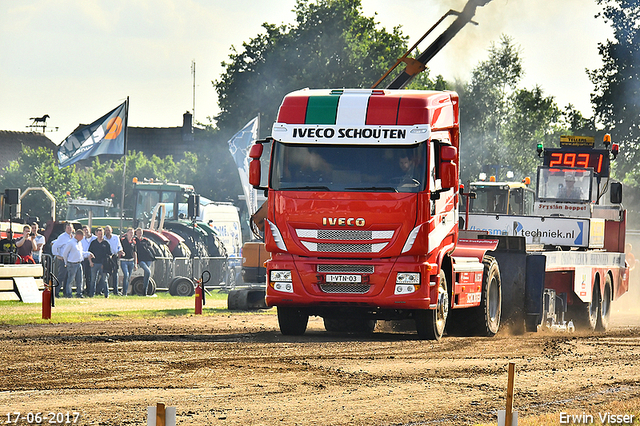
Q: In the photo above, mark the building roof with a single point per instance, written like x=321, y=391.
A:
x=11, y=144
x=163, y=141
x=160, y=141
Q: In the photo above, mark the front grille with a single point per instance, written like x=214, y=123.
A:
x=343, y=234
x=359, y=241
x=345, y=269
x=345, y=288
x=344, y=248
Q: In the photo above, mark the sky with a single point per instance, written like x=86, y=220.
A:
x=75, y=60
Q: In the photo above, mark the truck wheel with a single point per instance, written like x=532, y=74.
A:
x=586, y=315
x=486, y=317
x=605, y=306
x=292, y=321
x=430, y=323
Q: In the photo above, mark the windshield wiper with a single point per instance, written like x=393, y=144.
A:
x=325, y=188
x=374, y=188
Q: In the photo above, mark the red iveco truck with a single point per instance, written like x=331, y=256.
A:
x=362, y=219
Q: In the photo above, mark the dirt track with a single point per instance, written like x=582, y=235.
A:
x=239, y=370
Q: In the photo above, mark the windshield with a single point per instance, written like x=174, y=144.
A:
x=571, y=185
x=348, y=168
x=75, y=211
x=492, y=199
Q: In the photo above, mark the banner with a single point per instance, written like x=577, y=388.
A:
x=239, y=146
x=103, y=136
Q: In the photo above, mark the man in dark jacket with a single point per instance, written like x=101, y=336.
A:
x=101, y=251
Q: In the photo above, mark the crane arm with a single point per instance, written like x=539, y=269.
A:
x=412, y=68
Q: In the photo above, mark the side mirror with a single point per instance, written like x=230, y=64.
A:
x=256, y=151
x=616, y=193
x=448, y=175
x=448, y=168
x=448, y=153
x=193, y=206
x=254, y=172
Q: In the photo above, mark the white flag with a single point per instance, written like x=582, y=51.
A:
x=239, y=146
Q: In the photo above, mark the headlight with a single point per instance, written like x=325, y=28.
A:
x=280, y=276
x=408, y=278
x=284, y=287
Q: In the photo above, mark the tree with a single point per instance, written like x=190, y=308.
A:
x=330, y=45
x=36, y=167
x=484, y=103
x=532, y=119
x=100, y=180
x=617, y=85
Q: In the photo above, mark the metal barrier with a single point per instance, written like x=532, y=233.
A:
x=225, y=272
x=164, y=270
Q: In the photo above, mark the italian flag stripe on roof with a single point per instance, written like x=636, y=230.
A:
x=358, y=107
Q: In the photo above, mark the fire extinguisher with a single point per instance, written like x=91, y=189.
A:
x=48, y=297
x=200, y=291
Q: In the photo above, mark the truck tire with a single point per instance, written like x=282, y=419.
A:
x=485, y=319
x=430, y=323
x=586, y=315
x=182, y=286
x=605, y=306
x=349, y=325
x=292, y=321
x=137, y=284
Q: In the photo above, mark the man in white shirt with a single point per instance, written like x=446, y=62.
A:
x=56, y=250
x=116, y=249
x=86, y=266
x=73, y=256
x=40, y=241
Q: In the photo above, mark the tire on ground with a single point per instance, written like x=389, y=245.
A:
x=604, y=311
x=585, y=315
x=292, y=321
x=182, y=286
x=431, y=323
x=484, y=320
x=137, y=285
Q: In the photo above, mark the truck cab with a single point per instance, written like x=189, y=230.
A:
x=503, y=198
x=362, y=217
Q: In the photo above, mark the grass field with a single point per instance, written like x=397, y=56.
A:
x=115, y=307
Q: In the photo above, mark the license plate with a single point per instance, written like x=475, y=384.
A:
x=343, y=278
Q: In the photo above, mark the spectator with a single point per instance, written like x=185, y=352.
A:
x=129, y=260
x=8, y=247
x=57, y=249
x=86, y=263
x=99, y=264
x=40, y=242
x=116, y=252
x=73, y=256
x=145, y=257
x=26, y=245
